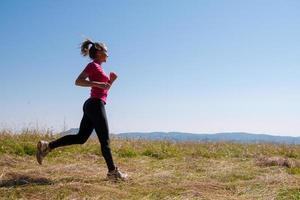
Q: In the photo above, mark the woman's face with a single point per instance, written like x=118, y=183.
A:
x=101, y=56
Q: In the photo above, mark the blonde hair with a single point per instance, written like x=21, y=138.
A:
x=86, y=49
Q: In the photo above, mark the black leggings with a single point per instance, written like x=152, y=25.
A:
x=94, y=116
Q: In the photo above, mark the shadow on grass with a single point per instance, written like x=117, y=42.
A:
x=14, y=179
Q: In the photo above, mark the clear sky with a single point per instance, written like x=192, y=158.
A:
x=196, y=66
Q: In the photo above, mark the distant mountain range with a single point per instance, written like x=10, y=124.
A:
x=179, y=136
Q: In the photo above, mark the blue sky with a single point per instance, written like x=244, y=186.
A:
x=193, y=66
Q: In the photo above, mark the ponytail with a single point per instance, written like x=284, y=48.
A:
x=85, y=47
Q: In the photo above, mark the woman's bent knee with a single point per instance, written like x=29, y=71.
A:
x=80, y=140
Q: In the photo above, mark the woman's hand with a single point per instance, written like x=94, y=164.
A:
x=112, y=77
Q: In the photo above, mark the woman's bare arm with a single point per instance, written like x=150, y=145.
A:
x=82, y=81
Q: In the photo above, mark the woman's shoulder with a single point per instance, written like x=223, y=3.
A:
x=92, y=63
x=93, y=67
x=89, y=67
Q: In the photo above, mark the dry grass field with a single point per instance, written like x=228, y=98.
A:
x=157, y=170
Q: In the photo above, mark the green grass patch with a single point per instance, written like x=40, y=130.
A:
x=161, y=150
x=289, y=194
x=294, y=170
x=126, y=153
x=232, y=177
x=158, y=170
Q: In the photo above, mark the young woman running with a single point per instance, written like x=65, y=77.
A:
x=94, y=114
